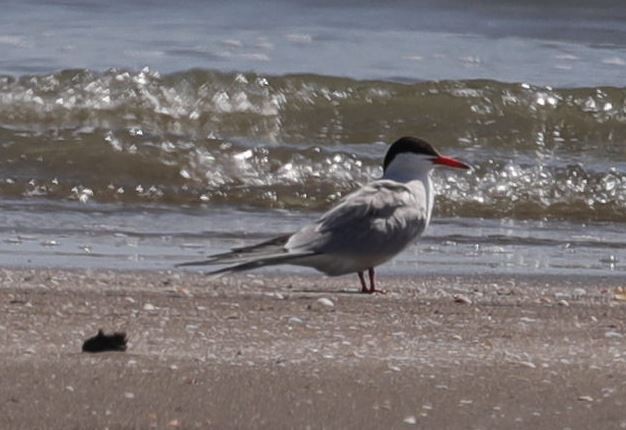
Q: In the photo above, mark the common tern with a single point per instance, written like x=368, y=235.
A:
x=365, y=229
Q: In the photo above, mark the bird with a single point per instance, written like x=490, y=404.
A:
x=367, y=228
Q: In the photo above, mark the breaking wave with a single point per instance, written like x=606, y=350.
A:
x=303, y=141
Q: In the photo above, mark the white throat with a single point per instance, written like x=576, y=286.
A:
x=413, y=170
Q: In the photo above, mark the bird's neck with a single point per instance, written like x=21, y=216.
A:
x=416, y=179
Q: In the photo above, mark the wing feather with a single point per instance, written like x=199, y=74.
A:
x=379, y=217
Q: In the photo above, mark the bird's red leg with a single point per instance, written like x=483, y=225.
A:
x=363, y=284
x=373, y=289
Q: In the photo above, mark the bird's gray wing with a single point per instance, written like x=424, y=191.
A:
x=382, y=217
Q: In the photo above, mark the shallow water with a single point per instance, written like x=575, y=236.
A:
x=156, y=237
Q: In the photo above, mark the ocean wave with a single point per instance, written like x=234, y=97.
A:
x=303, y=141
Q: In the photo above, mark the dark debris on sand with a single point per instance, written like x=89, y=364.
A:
x=106, y=342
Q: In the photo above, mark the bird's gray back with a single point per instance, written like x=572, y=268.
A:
x=369, y=226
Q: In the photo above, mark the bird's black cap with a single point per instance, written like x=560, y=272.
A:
x=408, y=144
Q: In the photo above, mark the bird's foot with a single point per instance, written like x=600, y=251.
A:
x=375, y=291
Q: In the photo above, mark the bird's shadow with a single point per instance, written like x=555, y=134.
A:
x=320, y=292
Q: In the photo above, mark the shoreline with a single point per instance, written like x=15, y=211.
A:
x=261, y=351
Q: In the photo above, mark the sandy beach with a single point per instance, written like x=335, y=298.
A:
x=259, y=351
x=139, y=135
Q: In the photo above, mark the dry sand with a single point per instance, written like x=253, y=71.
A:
x=473, y=352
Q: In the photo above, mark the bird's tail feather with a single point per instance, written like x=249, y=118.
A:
x=197, y=263
x=255, y=263
x=269, y=248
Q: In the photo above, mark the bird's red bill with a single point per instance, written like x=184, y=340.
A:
x=450, y=162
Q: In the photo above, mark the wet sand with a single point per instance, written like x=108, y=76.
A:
x=262, y=351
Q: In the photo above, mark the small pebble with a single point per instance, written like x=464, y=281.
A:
x=462, y=299
x=295, y=321
x=613, y=334
x=410, y=420
x=129, y=395
x=563, y=303
x=328, y=303
x=322, y=303
x=149, y=307
x=585, y=398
